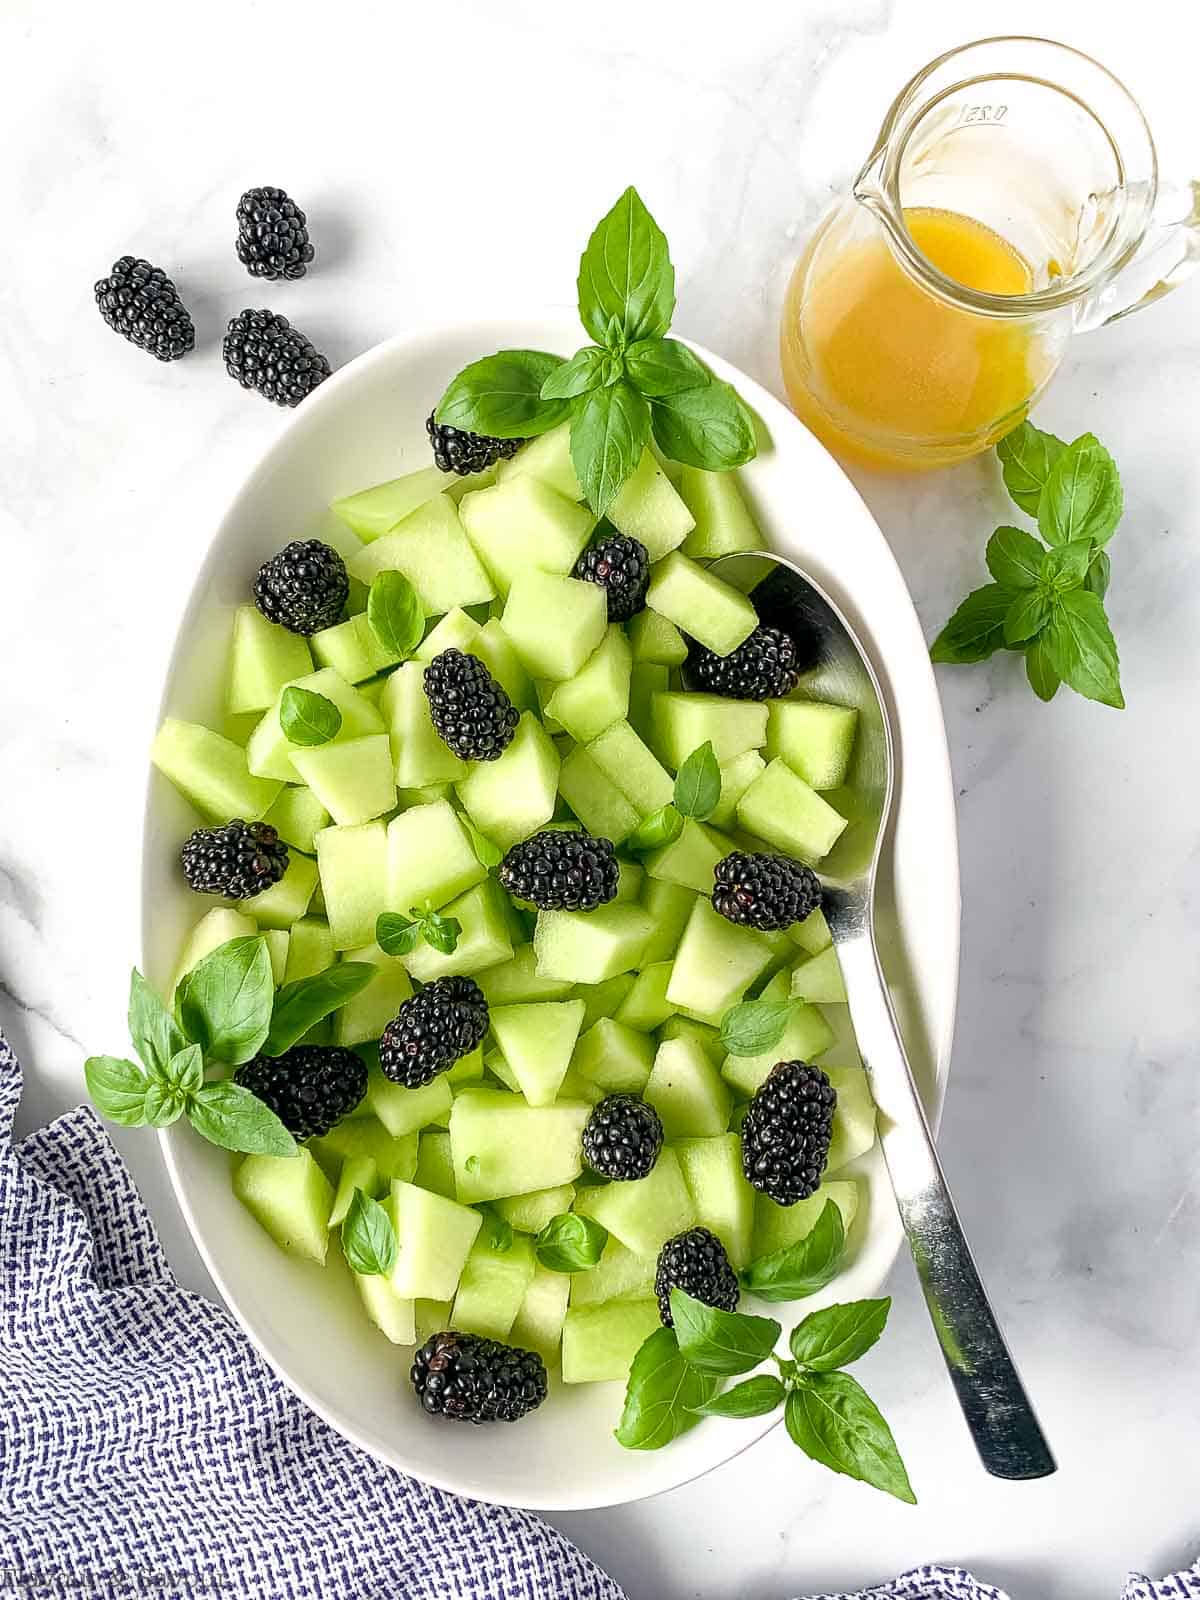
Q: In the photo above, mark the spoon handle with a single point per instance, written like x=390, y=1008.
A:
x=993, y=1399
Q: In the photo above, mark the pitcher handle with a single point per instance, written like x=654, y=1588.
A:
x=1168, y=254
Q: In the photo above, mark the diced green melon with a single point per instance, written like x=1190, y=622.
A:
x=269, y=753
x=656, y=641
x=357, y=1138
x=522, y=524
x=736, y=778
x=404, y=1110
x=537, y=1041
x=598, y=694
x=783, y=810
x=351, y=648
x=291, y=1197
x=646, y=679
x=604, y=999
x=457, y=630
x=215, y=928
x=434, y=1238
x=618, y=1275
x=683, y=722
x=704, y=606
x=430, y=1317
x=723, y=524
x=496, y=650
x=366, y=1014
x=716, y=962
x=512, y=797
x=590, y=946
x=285, y=902
x=492, y=1286
x=646, y=1006
x=212, y=772
x=430, y=548
x=435, y=1170
x=375, y=511
x=277, y=948
x=354, y=780
x=539, y=1322
x=812, y=935
x=626, y=761
x=359, y=1173
x=854, y=1119
x=819, y=979
x=777, y=1227
x=816, y=740
x=554, y=622
x=352, y=864
x=644, y=1212
x=806, y=1036
x=614, y=1056
x=467, y=1070
x=691, y=859
x=648, y=508
x=547, y=457
x=310, y=949
x=686, y=1090
x=600, y=1342
x=297, y=817
x=595, y=799
x=708, y=1038
x=421, y=757
x=430, y=858
x=391, y=1313
x=501, y=1145
x=670, y=906
x=495, y=1063
x=724, y=1201
x=515, y=981
x=529, y=1213
x=483, y=942
x=630, y=878
x=262, y=658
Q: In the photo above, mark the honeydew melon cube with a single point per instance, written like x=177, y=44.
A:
x=492, y=1287
x=630, y=878
x=704, y=606
x=263, y=657
x=554, y=622
x=404, y=1110
x=595, y=799
x=483, y=942
x=626, y=761
x=854, y=1117
x=424, y=795
x=291, y=1197
x=547, y=457
x=691, y=859
x=645, y=1212
x=215, y=928
x=600, y=1342
x=366, y=1014
x=457, y=630
x=430, y=1316
x=604, y=999
x=353, y=866
x=495, y=649
x=421, y=757
x=670, y=906
x=357, y=1138
x=819, y=979
x=806, y=1036
x=212, y=772
x=683, y=722
x=359, y=1173
x=269, y=753
x=434, y=1170
x=723, y=523
x=354, y=780
x=576, y=1087
x=716, y=962
x=590, y=946
x=297, y=817
x=777, y=1227
x=499, y=1068
x=783, y=810
x=708, y=1038
x=614, y=1056
x=467, y=1071
x=352, y=648
x=736, y=778
x=646, y=679
x=529, y=1213
x=277, y=949
x=816, y=740
x=648, y=508
x=430, y=548
x=655, y=641
x=686, y=1090
x=375, y=511
x=310, y=949
x=539, y=1322
x=537, y=1041
x=598, y=694
x=812, y=935
x=502, y=1146
x=430, y=858
x=646, y=1006
x=724, y=1201
x=512, y=797
x=516, y=981
x=618, y=1275
x=391, y=1313
x=434, y=1238
x=285, y=902
x=522, y=524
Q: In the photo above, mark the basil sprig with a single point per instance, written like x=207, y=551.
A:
x=697, y=793
x=368, y=1237
x=570, y=1243
x=307, y=718
x=398, y=936
x=630, y=385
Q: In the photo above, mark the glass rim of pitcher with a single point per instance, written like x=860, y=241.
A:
x=1119, y=246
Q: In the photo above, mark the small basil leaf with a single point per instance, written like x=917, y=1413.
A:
x=698, y=784
x=228, y=1115
x=368, y=1237
x=832, y=1419
x=1082, y=497
x=225, y=1000
x=396, y=935
x=837, y=1335
x=1099, y=574
x=659, y=828
x=155, y=1033
x=185, y=1070
x=1043, y=679
x=486, y=853
x=585, y=371
x=976, y=630
x=570, y=1243
x=709, y=426
x=300, y=1005
x=1027, y=615
x=754, y=1398
x=718, y=1341
x=626, y=280
x=662, y=1395
x=1081, y=649
x=307, y=718
x=165, y=1103
x=441, y=933
x=1026, y=457
x=801, y=1268
x=753, y=1026
x=661, y=367
x=501, y=396
x=1066, y=566
x=1014, y=558
x=395, y=613
x=608, y=434
x=117, y=1089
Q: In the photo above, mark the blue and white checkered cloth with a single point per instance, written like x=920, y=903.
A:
x=147, y=1451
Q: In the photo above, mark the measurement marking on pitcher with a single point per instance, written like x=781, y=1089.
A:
x=989, y=114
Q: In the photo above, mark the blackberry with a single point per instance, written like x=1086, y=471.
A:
x=622, y=1137
x=764, y=667
x=466, y=1378
x=264, y=352
x=470, y=711
x=304, y=587
x=561, y=870
x=764, y=891
x=786, y=1131
x=456, y=450
x=695, y=1262
x=621, y=567
x=272, y=239
x=140, y=302
x=309, y=1087
x=442, y=1022
x=236, y=861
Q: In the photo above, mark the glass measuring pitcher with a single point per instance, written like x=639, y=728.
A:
x=1011, y=200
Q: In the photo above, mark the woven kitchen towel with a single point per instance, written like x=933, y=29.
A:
x=952, y=1583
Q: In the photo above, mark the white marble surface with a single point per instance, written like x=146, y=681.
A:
x=455, y=157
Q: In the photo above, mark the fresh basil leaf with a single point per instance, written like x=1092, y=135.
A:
x=753, y=1026
x=698, y=784
x=837, y=1335
x=117, y=1089
x=1066, y=566
x=833, y=1419
x=165, y=1103
x=1014, y=558
x=472, y=1163
x=754, y=1398
x=155, y=1033
x=396, y=935
x=626, y=280
x=225, y=1000
x=724, y=1342
x=801, y=1268
x=660, y=367
x=185, y=1070
x=586, y=370
x=570, y=1243
x=300, y=1005
x=395, y=613
x=307, y=718
x=502, y=396
x=1099, y=574
x=486, y=853
x=228, y=1115
x=608, y=434
x=1043, y=679
x=1082, y=498
x=709, y=426
x=659, y=828
x=1026, y=457
x=976, y=630
x=662, y=1395
x=1081, y=649
x=441, y=933
x=1027, y=614
x=368, y=1237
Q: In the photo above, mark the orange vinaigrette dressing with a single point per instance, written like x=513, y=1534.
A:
x=867, y=351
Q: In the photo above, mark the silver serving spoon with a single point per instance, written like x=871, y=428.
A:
x=993, y=1399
